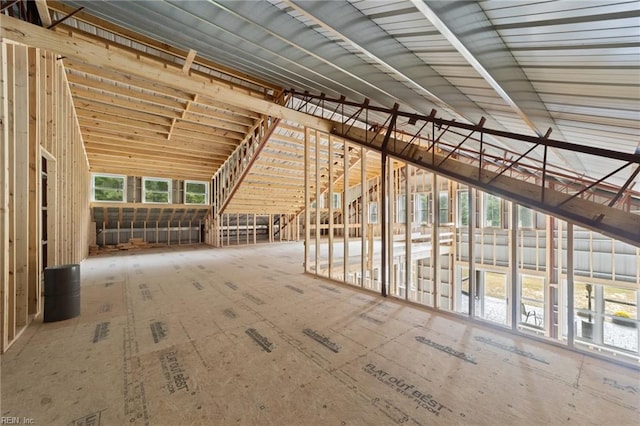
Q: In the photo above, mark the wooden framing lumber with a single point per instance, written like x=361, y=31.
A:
x=98, y=55
x=38, y=121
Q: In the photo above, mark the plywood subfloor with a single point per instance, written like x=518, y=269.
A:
x=239, y=335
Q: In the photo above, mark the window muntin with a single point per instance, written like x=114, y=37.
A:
x=196, y=192
x=109, y=188
x=156, y=190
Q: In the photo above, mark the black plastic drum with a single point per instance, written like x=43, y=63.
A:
x=61, y=292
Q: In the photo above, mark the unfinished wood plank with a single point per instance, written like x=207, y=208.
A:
x=21, y=184
x=11, y=141
x=189, y=61
x=33, y=271
x=4, y=198
x=98, y=55
x=43, y=12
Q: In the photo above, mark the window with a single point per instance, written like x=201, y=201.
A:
x=109, y=188
x=373, y=212
x=156, y=190
x=401, y=213
x=444, y=207
x=463, y=208
x=196, y=192
x=525, y=217
x=423, y=208
x=492, y=210
x=337, y=198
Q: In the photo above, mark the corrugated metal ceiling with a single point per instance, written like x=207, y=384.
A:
x=526, y=66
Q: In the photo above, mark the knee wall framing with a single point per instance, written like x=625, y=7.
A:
x=38, y=120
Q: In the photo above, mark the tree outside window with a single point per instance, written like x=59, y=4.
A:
x=156, y=190
x=492, y=211
x=463, y=208
x=401, y=215
x=525, y=217
x=196, y=192
x=423, y=207
x=444, y=207
x=109, y=188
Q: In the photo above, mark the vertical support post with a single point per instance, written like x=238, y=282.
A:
x=331, y=212
x=364, y=214
x=570, y=288
x=307, y=203
x=318, y=229
x=435, y=241
x=407, y=229
x=383, y=224
x=4, y=198
x=35, y=136
x=513, y=266
x=471, y=194
x=345, y=211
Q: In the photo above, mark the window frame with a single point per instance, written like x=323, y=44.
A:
x=485, y=206
x=336, y=200
x=373, y=212
x=108, y=175
x=401, y=208
x=169, y=190
x=206, y=192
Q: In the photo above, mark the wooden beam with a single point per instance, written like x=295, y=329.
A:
x=96, y=54
x=81, y=68
x=10, y=290
x=84, y=96
x=85, y=108
x=4, y=199
x=161, y=173
x=186, y=147
x=35, y=118
x=110, y=27
x=218, y=145
x=43, y=12
x=189, y=61
x=77, y=80
x=97, y=118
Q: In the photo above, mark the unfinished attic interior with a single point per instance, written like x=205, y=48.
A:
x=319, y=212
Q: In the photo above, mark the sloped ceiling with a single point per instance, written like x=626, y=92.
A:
x=525, y=66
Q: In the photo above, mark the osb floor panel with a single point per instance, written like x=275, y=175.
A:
x=195, y=335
